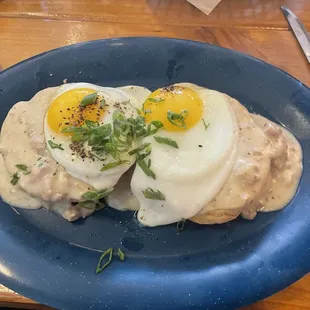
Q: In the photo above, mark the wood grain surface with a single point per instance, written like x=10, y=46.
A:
x=228, y=13
x=255, y=27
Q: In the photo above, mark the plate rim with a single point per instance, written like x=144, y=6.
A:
x=77, y=45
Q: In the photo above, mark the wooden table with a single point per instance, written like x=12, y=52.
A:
x=256, y=27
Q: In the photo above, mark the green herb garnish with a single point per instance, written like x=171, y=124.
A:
x=54, y=145
x=138, y=111
x=138, y=126
x=89, y=99
x=149, y=193
x=153, y=127
x=205, y=124
x=96, y=136
x=116, y=138
x=14, y=179
x=114, y=164
x=93, y=197
x=102, y=102
x=86, y=205
x=23, y=168
x=100, y=267
x=141, y=161
x=146, y=152
x=121, y=254
x=155, y=100
x=167, y=141
x=146, y=168
x=177, y=119
x=139, y=148
x=91, y=124
x=97, y=195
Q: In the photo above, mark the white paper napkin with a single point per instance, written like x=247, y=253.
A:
x=206, y=6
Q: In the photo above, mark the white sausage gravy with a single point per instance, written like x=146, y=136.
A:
x=264, y=178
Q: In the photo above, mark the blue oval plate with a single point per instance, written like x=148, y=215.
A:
x=203, y=267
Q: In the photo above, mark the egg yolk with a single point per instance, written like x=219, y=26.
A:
x=66, y=111
x=178, y=108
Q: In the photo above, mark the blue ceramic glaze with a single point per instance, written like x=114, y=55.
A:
x=204, y=267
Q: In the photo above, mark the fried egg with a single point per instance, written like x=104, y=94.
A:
x=189, y=172
x=65, y=110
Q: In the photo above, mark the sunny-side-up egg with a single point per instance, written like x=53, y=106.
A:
x=65, y=110
x=191, y=157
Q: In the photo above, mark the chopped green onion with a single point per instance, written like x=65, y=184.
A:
x=205, y=124
x=156, y=124
x=113, y=139
x=54, y=145
x=100, y=267
x=145, y=166
x=96, y=195
x=23, y=168
x=120, y=254
x=91, y=124
x=146, y=152
x=167, y=141
x=138, y=111
x=85, y=204
x=89, y=99
x=146, y=169
x=177, y=119
x=155, y=100
x=114, y=164
x=139, y=148
x=14, y=179
x=102, y=102
x=149, y=193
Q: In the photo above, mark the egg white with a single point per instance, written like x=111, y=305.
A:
x=189, y=177
x=88, y=170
